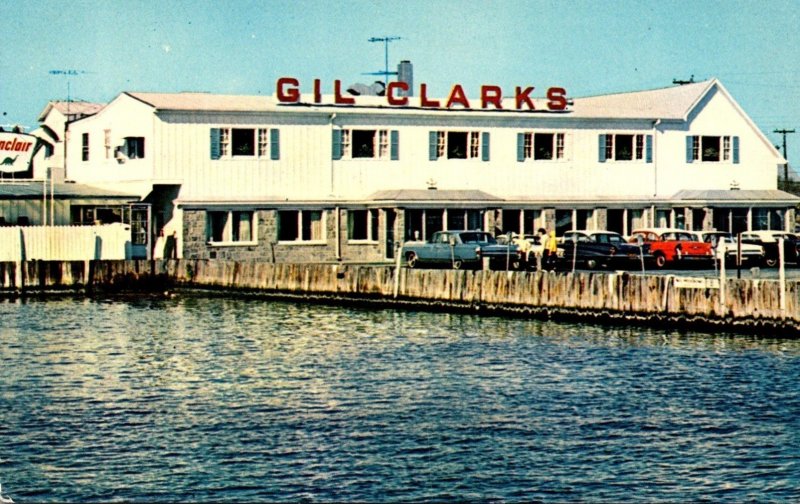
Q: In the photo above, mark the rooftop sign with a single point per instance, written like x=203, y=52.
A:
x=287, y=90
x=16, y=151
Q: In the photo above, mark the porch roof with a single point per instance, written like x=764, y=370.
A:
x=35, y=190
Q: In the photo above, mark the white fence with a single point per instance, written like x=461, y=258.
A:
x=65, y=243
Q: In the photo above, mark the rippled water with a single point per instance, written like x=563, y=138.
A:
x=214, y=399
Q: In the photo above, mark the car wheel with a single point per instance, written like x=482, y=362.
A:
x=660, y=260
x=411, y=260
x=458, y=264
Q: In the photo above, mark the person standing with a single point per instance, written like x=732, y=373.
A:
x=551, y=251
x=541, y=234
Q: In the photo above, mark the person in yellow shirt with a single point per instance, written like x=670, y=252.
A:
x=550, y=251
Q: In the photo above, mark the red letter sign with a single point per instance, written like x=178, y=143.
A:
x=557, y=98
x=457, y=96
x=396, y=100
x=523, y=96
x=493, y=95
x=317, y=91
x=290, y=95
x=423, y=97
x=337, y=94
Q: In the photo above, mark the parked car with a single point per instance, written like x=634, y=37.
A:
x=603, y=249
x=769, y=241
x=515, y=252
x=458, y=249
x=726, y=247
x=673, y=246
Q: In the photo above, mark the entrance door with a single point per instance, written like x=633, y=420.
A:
x=140, y=232
x=391, y=217
x=615, y=220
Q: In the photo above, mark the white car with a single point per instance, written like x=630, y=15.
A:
x=726, y=247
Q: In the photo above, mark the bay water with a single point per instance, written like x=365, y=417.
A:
x=190, y=398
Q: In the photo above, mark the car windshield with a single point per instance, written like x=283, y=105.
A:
x=609, y=238
x=675, y=236
x=477, y=238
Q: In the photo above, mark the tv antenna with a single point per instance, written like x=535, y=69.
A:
x=68, y=73
x=682, y=82
x=386, y=73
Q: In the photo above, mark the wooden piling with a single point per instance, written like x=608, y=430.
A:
x=747, y=303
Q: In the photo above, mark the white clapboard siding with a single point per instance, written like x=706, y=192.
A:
x=65, y=243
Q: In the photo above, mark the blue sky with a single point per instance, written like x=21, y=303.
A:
x=242, y=47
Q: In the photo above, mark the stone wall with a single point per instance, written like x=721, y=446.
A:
x=269, y=249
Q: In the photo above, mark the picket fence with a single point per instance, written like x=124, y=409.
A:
x=65, y=243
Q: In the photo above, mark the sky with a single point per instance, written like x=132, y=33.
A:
x=104, y=47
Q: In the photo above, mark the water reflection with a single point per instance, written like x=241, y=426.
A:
x=230, y=399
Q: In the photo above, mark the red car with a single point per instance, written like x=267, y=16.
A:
x=673, y=246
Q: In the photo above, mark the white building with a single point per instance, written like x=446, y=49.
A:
x=33, y=191
x=295, y=177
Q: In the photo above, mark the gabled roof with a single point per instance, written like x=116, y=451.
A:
x=438, y=195
x=666, y=103
x=736, y=196
x=205, y=102
x=67, y=108
x=674, y=102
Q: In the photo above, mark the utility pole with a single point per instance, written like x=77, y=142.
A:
x=784, y=132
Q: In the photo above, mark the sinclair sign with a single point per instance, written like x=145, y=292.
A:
x=16, y=151
x=287, y=90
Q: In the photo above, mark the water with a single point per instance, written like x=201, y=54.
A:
x=214, y=399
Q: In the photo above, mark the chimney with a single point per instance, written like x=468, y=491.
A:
x=405, y=73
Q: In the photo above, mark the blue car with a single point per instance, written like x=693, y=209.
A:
x=603, y=249
x=456, y=249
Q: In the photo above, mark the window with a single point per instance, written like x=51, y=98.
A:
x=362, y=225
x=540, y=146
x=625, y=147
x=263, y=142
x=134, y=147
x=458, y=219
x=712, y=149
x=459, y=145
x=242, y=142
x=107, y=142
x=225, y=142
x=301, y=225
x=768, y=218
x=231, y=227
x=85, y=147
x=92, y=214
x=139, y=226
x=245, y=142
x=365, y=144
x=422, y=224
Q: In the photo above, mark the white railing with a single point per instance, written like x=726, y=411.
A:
x=65, y=243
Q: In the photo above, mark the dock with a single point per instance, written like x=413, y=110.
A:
x=762, y=306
